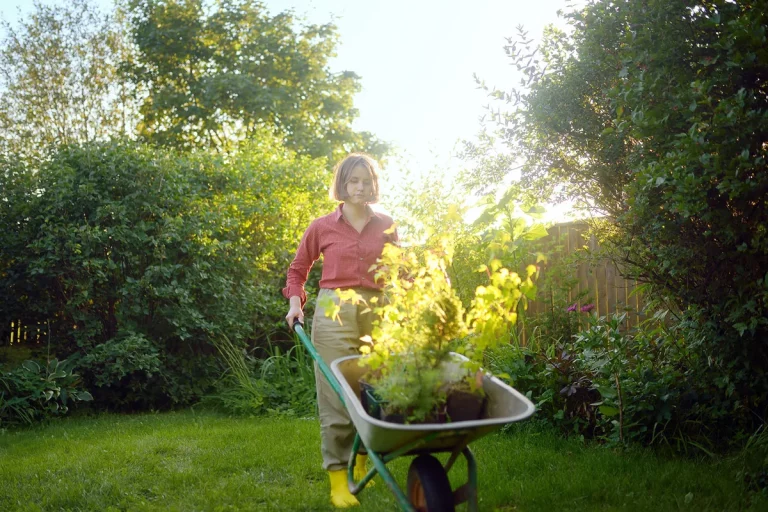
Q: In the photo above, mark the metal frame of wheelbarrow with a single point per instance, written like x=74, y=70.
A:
x=384, y=441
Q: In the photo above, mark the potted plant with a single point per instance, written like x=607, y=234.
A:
x=418, y=325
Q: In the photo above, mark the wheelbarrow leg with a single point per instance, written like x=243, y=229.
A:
x=472, y=480
x=355, y=488
x=381, y=468
x=468, y=491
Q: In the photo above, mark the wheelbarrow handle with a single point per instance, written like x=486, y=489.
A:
x=298, y=328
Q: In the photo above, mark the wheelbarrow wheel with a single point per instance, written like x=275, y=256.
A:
x=428, y=487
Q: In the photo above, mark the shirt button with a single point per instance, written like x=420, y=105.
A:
x=361, y=259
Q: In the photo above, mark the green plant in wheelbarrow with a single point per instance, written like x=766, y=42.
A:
x=419, y=326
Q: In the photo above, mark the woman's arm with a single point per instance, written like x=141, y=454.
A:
x=306, y=255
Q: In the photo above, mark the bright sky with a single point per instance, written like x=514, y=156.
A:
x=416, y=59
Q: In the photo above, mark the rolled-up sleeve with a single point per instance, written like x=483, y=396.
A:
x=306, y=255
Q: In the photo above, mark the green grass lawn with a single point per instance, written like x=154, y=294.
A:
x=199, y=460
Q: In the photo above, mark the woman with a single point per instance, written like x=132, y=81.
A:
x=350, y=239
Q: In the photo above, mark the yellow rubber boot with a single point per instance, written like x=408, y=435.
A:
x=361, y=469
x=340, y=495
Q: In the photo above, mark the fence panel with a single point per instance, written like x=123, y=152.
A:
x=602, y=282
x=20, y=332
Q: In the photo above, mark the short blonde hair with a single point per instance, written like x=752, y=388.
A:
x=343, y=170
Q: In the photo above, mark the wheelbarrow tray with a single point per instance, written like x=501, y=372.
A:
x=504, y=405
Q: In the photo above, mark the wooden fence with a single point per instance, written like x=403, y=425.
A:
x=599, y=284
x=18, y=332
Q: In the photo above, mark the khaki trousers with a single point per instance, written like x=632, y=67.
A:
x=333, y=340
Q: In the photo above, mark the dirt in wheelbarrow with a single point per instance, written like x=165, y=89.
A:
x=461, y=405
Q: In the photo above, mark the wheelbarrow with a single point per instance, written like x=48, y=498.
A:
x=428, y=488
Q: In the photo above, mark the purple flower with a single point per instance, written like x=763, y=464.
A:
x=587, y=308
x=572, y=307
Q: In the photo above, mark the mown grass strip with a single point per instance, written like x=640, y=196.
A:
x=200, y=460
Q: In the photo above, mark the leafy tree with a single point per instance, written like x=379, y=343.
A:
x=216, y=76
x=656, y=114
x=59, y=80
x=137, y=258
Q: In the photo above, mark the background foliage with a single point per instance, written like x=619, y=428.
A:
x=60, y=80
x=176, y=73
x=136, y=256
x=214, y=75
x=654, y=114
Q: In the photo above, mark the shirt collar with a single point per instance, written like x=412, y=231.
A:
x=372, y=215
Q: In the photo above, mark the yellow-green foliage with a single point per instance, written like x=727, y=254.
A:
x=421, y=320
x=494, y=308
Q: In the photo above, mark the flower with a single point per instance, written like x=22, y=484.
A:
x=572, y=307
x=587, y=308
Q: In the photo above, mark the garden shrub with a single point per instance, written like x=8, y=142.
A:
x=153, y=252
x=32, y=391
x=121, y=357
x=121, y=369
x=549, y=376
x=635, y=385
x=622, y=386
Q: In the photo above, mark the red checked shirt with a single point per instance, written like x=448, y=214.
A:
x=347, y=254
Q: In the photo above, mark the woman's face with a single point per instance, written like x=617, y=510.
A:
x=359, y=187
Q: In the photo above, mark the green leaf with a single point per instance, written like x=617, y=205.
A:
x=535, y=232
x=607, y=410
x=32, y=366
x=485, y=218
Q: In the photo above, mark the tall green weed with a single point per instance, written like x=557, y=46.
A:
x=276, y=381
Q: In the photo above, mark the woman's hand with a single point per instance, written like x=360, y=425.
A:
x=295, y=312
